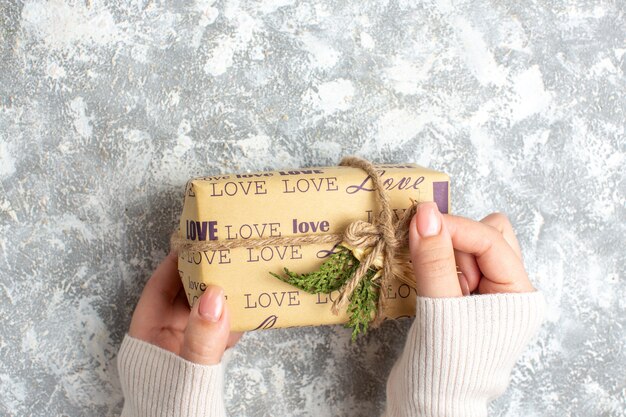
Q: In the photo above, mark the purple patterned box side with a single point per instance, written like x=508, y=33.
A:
x=440, y=195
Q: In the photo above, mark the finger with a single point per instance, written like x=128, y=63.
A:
x=206, y=335
x=468, y=271
x=503, y=225
x=496, y=259
x=432, y=255
x=233, y=338
x=165, y=281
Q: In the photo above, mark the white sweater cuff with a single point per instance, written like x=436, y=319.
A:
x=156, y=382
x=460, y=352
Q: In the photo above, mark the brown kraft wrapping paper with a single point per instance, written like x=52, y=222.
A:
x=286, y=203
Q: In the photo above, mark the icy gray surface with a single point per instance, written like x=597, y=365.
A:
x=106, y=109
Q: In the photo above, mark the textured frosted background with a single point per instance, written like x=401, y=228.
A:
x=106, y=109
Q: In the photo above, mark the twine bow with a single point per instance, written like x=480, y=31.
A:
x=381, y=244
x=375, y=244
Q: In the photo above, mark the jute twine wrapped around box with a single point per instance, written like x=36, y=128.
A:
x=381, y=245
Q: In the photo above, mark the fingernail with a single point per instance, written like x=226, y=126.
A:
x=211, y=304
x=464, y=284
x=428, y=220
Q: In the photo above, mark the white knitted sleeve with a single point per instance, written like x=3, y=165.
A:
x=460, y=352
x=156, y=382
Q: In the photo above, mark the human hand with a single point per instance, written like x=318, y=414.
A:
x=486, y=252
x=163, y=317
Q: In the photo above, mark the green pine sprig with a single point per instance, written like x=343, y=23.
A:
x=363, y=304
x=331, y=276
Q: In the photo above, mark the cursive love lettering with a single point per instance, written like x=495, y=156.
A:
x=402, y=183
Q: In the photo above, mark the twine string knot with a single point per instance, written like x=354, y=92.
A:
x=377, y=241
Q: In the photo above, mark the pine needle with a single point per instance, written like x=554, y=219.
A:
x=331, y=276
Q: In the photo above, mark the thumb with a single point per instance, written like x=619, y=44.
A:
x=432, y=254
x=208, y=328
